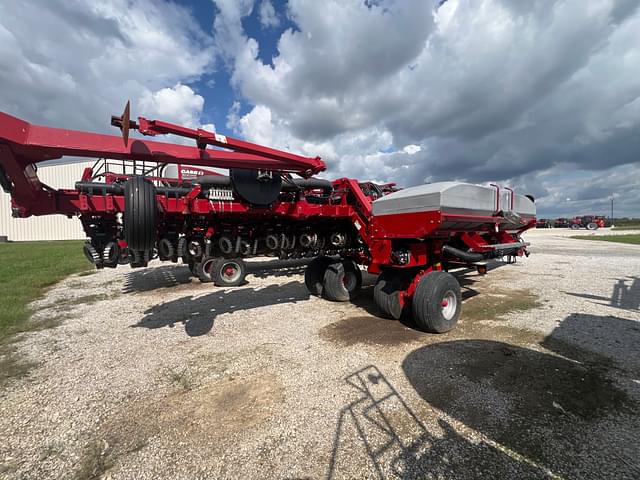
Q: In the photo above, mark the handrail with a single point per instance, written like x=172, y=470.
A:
x=497, y=196
x=512, y=195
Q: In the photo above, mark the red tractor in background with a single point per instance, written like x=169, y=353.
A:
x=590, y=222
x=543, y=223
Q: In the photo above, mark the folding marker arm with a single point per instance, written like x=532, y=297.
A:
x=304, y=166
x=23, y=144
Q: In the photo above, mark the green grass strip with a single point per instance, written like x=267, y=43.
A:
x=633, y=239
x=26, y=270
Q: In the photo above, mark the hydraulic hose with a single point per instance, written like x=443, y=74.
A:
x=293, y=185
x=470, y=257
x=205, y=181
x=97, y=188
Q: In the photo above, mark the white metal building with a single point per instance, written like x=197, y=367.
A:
x=48, y=227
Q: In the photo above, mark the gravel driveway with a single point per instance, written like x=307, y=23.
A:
x=151, y=374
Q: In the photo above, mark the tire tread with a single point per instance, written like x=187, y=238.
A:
x=314, y=275
x=140, y=213
x=385, y=293
x=426, y=313
x=334, y=289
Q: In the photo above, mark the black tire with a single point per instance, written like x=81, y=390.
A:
x=387, y=293
x=140, y=213
x=342, y=281
x=165, y=249
x=139, y=259
x=314, y=275
x=428, y=305
x=91, y=254
x=111, y=255
x=202, y=269
x=592, y=226
x=575, y=226
x=221, y=275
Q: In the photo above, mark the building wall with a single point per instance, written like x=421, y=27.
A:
x=47, y=227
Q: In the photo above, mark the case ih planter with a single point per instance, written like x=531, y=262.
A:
x=134, y=209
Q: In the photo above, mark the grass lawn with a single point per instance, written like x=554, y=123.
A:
x=633, y=239
x=26, y=269
x=628, y=227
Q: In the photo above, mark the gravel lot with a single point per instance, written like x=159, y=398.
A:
x=153, y=375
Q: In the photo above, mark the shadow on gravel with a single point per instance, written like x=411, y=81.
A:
x=148, y=279
x=599, y=341
x=379, y=431
x=199, y=313
x=168, y=276
x=278, y=268
x=625, y=297
x=562, y=412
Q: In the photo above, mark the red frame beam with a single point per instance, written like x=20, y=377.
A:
x=23, y=144
x=307, y=165
x=36, y=143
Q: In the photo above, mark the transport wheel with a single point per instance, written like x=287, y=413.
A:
x=140, y=213
x=314, y=275
x=592, y=226
x=575, y=226
x=228, y=272
x=342, y=281
x=386, y=293
x=202, y=269
x=437, y=302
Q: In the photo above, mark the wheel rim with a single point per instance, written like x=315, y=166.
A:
x=230, y=272
x=349, y=281
x=449, y=305
x=206, y=267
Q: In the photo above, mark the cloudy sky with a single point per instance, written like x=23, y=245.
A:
x=542, y=95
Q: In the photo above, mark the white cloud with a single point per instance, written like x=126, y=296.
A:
x=566, y=190
x=74, y=63
x=267, y=15
x=542, y=95
x=412, y=149
x=233, y=116
x=488, y=90
x=179, y=104
x=331, y=74
x=366, y=154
